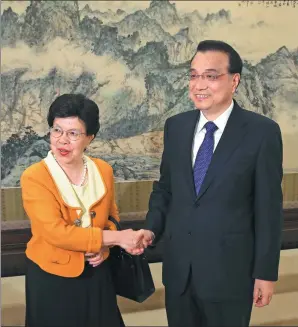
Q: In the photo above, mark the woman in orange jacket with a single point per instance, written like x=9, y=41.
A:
x=68, y=197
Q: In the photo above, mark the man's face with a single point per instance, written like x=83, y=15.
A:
x=214, y=90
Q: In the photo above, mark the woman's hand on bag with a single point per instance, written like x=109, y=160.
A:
x=132, y=241
x=95, y=259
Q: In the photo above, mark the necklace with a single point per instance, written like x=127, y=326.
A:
x=84, y=175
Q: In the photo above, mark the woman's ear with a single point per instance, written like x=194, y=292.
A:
x=90, y=139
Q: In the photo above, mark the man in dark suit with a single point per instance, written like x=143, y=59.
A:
x=218, y=202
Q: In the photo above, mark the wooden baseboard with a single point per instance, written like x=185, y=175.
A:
x=14, y=242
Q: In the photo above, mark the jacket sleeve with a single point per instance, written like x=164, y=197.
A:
x=45, y=215
x=268, y=205
x=161, y=194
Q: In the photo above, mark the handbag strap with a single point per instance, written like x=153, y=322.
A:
x=115, y=222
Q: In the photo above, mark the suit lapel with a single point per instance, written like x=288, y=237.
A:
x=187, y=143
x=229, y=141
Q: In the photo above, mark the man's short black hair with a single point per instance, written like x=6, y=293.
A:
x=235, y=61
x=76, y=105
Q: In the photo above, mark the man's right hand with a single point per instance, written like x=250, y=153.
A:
x=148, y=237
x=130, y=239
x=134, y=242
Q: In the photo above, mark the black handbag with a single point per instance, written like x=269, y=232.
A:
x=130, y=273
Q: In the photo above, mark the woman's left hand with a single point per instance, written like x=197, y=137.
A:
x=95, y=259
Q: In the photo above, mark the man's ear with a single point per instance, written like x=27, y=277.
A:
x=236, y=82
x=91, y=138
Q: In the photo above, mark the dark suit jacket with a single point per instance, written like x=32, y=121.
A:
x=230, y=234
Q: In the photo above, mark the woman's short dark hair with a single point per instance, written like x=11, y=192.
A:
x=76, y=105
x=235, y=61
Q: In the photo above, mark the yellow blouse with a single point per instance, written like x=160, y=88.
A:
x=83, y=193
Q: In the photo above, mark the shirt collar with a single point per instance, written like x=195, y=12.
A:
x=220, y=121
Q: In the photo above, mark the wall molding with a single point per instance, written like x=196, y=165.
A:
x=14, y=240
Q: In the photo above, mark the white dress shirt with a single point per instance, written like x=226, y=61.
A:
x=200, y=131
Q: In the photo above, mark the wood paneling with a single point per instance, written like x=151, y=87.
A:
x=14, y=241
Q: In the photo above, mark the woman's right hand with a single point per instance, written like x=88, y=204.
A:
x=131, y=241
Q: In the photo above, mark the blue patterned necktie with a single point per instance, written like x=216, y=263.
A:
x=204, y=156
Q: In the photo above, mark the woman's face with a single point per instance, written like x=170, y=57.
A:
x=69, y=140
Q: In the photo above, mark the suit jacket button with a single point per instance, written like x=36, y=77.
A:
x=92, y=214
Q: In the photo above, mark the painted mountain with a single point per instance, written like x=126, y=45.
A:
x=134, y=64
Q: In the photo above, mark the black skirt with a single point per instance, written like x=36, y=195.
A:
x=85, y=301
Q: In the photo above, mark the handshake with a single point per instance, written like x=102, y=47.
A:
x=134, y=242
